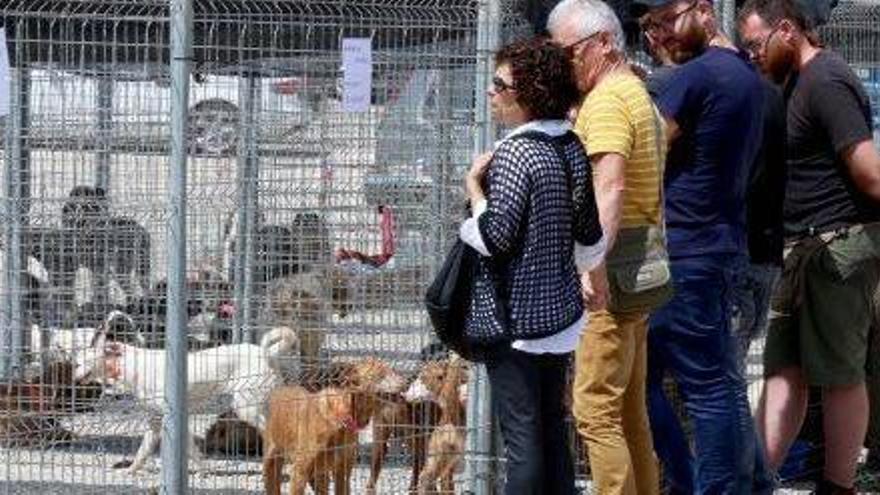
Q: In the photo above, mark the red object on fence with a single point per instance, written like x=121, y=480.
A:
x=389, y=243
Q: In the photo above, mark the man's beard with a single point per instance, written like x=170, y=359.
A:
x=779, y=63
x=689, y=44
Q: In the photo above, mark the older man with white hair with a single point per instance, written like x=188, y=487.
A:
x=626, y=144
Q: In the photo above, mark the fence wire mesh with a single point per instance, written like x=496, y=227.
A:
x=302, y=217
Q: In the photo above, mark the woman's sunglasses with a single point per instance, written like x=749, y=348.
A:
x=500, y=85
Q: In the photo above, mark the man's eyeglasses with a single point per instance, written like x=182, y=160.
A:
x=652, y=22
x=571, y=47
x=500, y=85
x=755, y=47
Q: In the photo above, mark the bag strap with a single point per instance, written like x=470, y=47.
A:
x=659, y=139
x=554, y=142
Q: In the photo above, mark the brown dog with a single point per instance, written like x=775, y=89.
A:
x=317, y=432
x=229, y=435
x=442, y=382
x=411, y=422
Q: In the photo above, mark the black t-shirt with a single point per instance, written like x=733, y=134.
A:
x=766, y=191
x=828, y=111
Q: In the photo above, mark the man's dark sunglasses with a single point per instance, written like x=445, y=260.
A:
x=569, y=48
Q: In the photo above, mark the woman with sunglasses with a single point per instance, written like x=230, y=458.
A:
x=535, y=225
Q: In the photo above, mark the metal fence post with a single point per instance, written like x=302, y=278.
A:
x=725, y=13
x=479, y=411
x=729, y=18
x=105, y=129
x=12, y=325
x=175, y=427
x=248, y=175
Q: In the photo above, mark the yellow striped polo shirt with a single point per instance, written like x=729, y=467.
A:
x=617, y=116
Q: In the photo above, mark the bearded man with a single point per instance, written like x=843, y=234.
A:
x=822, y=310
x=713, y=106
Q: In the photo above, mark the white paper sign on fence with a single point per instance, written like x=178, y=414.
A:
x=357, y=74
x=4, y=75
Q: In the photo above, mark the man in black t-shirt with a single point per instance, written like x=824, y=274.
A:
x=822, y=309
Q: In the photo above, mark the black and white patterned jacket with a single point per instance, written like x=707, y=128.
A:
x=532, y=221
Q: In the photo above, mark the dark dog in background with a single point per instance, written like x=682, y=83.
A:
x=90, y=237
x=229, y=435
x=31, y=409
x=103, y=241
x=209, y=305
x=209, y=311
x=280, y=250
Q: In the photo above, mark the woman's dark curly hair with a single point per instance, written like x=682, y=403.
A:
x=542, y=75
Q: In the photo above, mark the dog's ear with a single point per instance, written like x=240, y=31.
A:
x=365, y=374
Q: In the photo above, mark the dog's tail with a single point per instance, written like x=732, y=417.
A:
x=279, y=341
x=120, y=325
x=113, y=315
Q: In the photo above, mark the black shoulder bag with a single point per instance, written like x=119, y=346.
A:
x=448, y=297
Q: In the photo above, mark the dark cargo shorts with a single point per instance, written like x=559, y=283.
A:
x=822, y=308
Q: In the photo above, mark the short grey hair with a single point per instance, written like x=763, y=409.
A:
x=590, y=17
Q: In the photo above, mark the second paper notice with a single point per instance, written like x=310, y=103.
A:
x=357, y=74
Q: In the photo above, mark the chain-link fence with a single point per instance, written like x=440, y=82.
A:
x=854, y=32
x=305, y=208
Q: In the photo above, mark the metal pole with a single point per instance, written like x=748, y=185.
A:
x=725, y=13
x=729, y=18
x=248, y=173
x=479, y=411
x=104, y=102
x=12, y=327
x=175, y=428
x=105, y=127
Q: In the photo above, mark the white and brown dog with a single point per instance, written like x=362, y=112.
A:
x=444, y=382
x=246, y=372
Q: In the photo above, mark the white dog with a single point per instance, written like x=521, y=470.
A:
x=63, y=344
x=246, y=372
